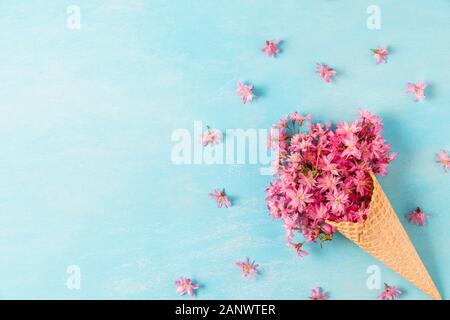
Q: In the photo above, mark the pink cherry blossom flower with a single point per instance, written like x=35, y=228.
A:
x=327, y=182
x=417, y=89
x=363, y=183
x=370, y=117
x=308, y=179
x=248, y=269
x=300, y=142
x=345, y=129
x=325, y=72
x=186, y=286
x=351, y=147
x=299, y=118
x=245, y=92
x=380, y=54
x=299, y=198
x=221, y=199
x=389, y=293
x=211, y=137
x=337, y=199
x=329, y=165
x=417, y=217
x=327, y=228
x=271, y=48
x=443, y=157
x=298, y=248
x=318, y=294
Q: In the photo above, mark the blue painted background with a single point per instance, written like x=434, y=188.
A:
x=86, y=119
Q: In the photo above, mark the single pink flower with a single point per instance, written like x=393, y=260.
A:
x=319, y=212
x=389, y=293
x=346, y=129
x=271, y=48
x=295, y=116
x=351, y=144
x=337, y=200
x=328, y=228
x=245, y=92
x=221, y=199
x=318, y=294
x=308, y=180
x=211, y=137
x=363, y=183
x=418, y=89
x=299, y=198
x=443, y=158
x=298, y=248
x=248, y=269
x=380, y=54
x=370, y=117
x=325, y=72
x=300, y=142
x=186, y=286
x=329, y=165
x=327, y=182
x=417, y=217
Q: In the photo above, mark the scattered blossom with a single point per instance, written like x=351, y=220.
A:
x=186, y=286
x=380, y=54
x=389, y=293
x=298, y=248
x=271, y=48
x=318, y=294
x=417, y=89
x=417, y=217
x=443, y=157
x=249, y=269
x=325, y=72
x=211, y=136
x=323, y=174
x=221, y=198
x=245, y=92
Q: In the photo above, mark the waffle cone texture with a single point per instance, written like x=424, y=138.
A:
x=382, y=236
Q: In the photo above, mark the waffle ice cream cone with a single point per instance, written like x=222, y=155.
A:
x=382, y=236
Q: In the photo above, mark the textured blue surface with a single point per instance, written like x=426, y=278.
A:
x=85, y=124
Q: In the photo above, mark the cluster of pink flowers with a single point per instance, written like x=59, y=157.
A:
x=324, y=174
